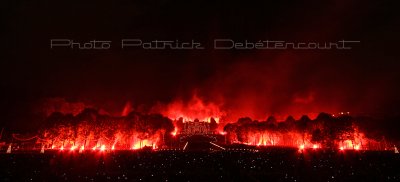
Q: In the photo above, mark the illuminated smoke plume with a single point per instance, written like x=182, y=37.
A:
x=127, y=109
x=191, y=110
x=52, y=105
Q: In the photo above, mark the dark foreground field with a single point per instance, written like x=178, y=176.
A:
x=269, y=165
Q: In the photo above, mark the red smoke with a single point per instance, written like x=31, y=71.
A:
x=51, y=105
x=191, y=110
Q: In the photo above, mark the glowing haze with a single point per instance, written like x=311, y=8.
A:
x=191, y=110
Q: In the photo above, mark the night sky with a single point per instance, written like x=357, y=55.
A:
x=255, y=83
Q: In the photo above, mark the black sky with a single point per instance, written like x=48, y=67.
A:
x=254, y=83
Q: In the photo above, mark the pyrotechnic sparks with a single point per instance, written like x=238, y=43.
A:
x=323, y=132
x=91, y=130
x=136, y=131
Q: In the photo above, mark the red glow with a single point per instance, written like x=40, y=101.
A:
x=291, y=139
x=323, y=132
x=135, y=130
x=97, y=138
x=194, y=109
x=174, y=132
x=352, y=145
x=143, y=143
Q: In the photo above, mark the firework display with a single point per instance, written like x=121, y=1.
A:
x=167, y=90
